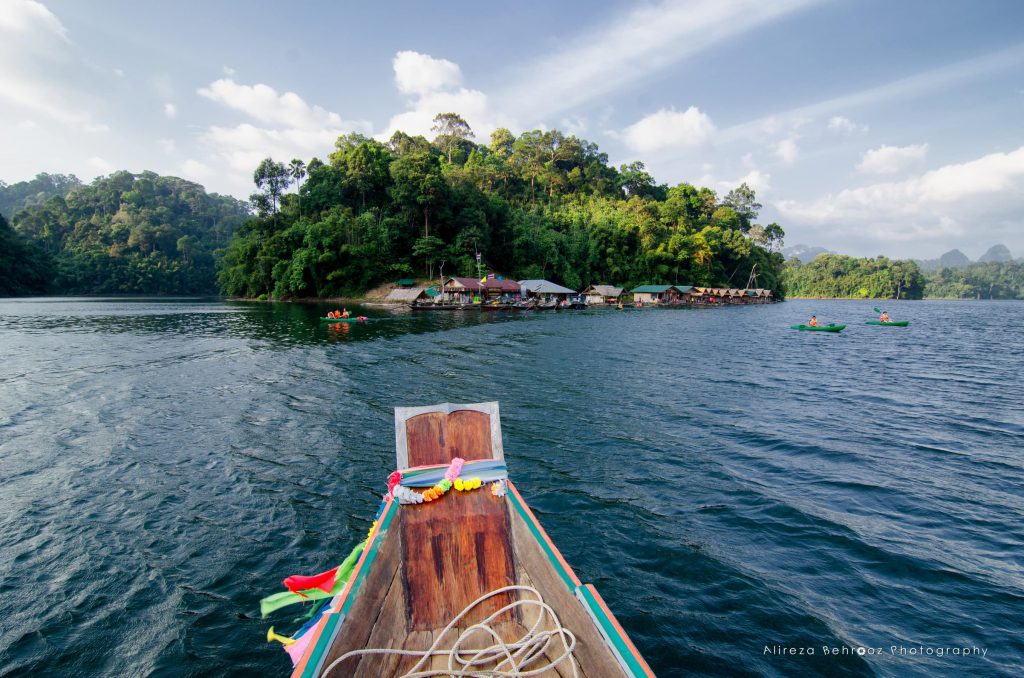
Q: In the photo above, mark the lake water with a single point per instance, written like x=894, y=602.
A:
x=728, y=484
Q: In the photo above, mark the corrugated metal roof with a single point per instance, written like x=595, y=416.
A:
x=683, y=288
x=406, y=282
x=468, y=283
x=544, y=287
x=504, y=285
x=652, y=289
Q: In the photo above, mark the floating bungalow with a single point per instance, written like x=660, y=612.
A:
x=545, y=289
x=597, y=295
x=462, y=290
x=658, y=294
x=496, y=288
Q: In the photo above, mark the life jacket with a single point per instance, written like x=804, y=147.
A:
x=812, y=322
x=345, y=314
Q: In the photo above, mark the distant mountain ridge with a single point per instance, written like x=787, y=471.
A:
x=957, y=259
x=805, y=253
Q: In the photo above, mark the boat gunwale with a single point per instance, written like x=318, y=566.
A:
x=342, y=603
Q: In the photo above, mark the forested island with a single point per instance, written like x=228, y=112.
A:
x=837, y=276
x=540, y=205
x=122, y=234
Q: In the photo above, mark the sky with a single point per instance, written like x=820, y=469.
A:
x=867, y=127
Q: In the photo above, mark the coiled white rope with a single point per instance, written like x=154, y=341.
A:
x=501, y=659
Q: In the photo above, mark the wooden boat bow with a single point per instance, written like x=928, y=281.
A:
x=425, y=563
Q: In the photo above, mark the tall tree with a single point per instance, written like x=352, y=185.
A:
x=272, y=178
x=297, y=171
x=743, y=202
x=451, y=130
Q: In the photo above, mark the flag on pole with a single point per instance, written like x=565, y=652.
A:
x=490, y=276
x=478, y=256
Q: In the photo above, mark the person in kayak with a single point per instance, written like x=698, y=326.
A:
x=344, y=314
x=330, y=314
x=885, y=317
x=813, y=322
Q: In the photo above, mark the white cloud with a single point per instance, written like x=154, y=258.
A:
x=170, y=110
x=166, y=145
x=644, y=40
x=228, y=71
x=29, y=17
x=760, y=181
x=196, y=171
x=891, y=159
x=41, y=72
x=100, y=165
x=787, y=151
x=119, y=72
x=843, y=125
x=291, y=128
x=263, y=103
x=983, y=195
x=417, y=73
x=28, y=124
x=95, y=128
x=669, y=128
x=435, y=84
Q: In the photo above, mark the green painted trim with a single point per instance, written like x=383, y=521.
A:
x=326, y=638
x=364, y=571
x=316, y=657
x=539, y=538
x=622, y=649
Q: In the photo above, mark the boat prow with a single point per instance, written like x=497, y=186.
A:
x=425, y=563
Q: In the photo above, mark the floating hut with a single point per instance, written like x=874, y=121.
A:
x=407, y=295
x=597, y=295
x=545, y=289
x=657, y=294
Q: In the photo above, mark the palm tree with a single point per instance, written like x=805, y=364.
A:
x=297, y=170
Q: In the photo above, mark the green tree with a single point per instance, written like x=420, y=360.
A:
x=451, y=130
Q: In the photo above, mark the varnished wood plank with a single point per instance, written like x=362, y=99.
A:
x=455, y=549
x=436, y=438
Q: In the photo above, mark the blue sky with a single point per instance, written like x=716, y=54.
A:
x=867, y=127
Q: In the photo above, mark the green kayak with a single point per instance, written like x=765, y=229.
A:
x=820, y=328
x=892, y=323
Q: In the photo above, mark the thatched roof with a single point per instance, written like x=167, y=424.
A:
x=406, y=294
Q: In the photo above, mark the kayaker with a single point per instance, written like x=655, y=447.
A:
x=885, y=317
x=345, y=314
x=330, y=314
x=813, y=322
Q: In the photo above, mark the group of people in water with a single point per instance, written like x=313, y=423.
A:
x=884, y=318
x=339, y=314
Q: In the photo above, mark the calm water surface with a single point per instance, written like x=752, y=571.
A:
x=727, y=483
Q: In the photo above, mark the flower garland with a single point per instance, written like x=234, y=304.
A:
x=399, y=486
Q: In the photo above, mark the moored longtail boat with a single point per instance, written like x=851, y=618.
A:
x=468, y=542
